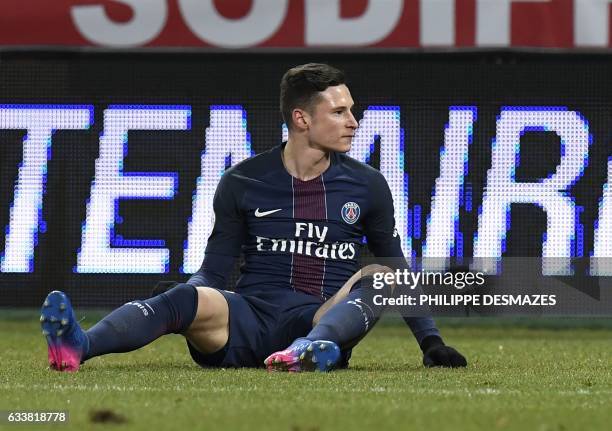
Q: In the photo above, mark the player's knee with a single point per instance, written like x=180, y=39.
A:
x=182, y=305
x=182, y=292
x=370, y=270
x=376, y=277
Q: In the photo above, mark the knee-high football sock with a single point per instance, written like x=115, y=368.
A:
x=347, y=322
x=418, y=318
x=137, y=323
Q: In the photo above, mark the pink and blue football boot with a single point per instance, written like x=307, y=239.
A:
x=66, y=341
x=305, y=355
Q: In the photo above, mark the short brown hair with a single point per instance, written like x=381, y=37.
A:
x=301, y=85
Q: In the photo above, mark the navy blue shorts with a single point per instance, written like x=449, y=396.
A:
x=260, y=325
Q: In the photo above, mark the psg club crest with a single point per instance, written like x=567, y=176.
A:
x=350, y=212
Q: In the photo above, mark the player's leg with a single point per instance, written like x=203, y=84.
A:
x=209, y=331
x=367, y=271
x=352, y=312
x=338, y=325
x=129, y=327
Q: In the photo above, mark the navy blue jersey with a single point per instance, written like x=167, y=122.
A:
x=300, y=235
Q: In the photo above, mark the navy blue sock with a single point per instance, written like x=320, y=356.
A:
x=418, y=318
x=137, y=323
x=347, y=322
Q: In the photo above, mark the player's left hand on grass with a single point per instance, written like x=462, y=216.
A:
x=437, y=354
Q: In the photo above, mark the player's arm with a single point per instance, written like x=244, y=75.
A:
x=384, y=242
x=227, y=237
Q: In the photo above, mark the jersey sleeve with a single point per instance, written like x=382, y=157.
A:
x=227, y=237
x=384, y=242
x=213, y=272
x=383, y=239
x=230, y=229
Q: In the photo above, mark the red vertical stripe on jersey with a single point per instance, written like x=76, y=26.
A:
x=308, y=204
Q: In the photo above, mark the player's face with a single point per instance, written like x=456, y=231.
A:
x=332, y=124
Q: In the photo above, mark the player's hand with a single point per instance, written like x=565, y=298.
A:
x=437, y=354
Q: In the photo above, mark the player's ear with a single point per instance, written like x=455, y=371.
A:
x=301, y=119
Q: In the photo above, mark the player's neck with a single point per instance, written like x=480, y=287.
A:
x=304, y=162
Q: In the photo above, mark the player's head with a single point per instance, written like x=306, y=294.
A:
x=316, y=103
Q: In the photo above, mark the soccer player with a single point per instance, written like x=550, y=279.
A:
x=298, y=213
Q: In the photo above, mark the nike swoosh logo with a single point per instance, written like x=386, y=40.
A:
x=265, y=213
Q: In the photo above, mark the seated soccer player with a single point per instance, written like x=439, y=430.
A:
x=298, y=213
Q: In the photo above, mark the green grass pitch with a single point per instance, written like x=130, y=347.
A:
x=518, y=378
